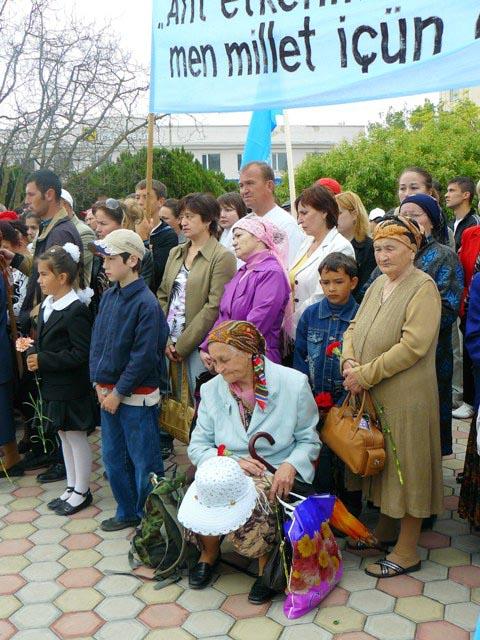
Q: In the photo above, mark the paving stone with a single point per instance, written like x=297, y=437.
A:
x=118, y=547
x=119, y=608
x=355, y=635
x=276, y=613
x=77, y=578
x=33, y=616
x=127, y=629
x=263, y=628
x=205, y=624
x=50, y=521
x=15, y=531
x=335, y=598
x=419, y=608
x=305, y=632
x=440, y=629
x=81, y=526
x=446, y=591
x=41, y=571
x=234, y=583
x=15, y=547
x=114, y=563
x=36, y=634
x=118, y=585
x=28, y=492
x=80, y=558
x=169, y=634
x=8, y=606
x=400, y=587
x=201, y=600
x=7, y=630
x=433, y=540
x=390, y=626
x=73, y=625
x=35, y=592
x=12, y=564
x=239, y=607
x=451, y=527
x=357, y=581
x=10, y=583
x=48, y=536
x=464, y=615
x=371, y=601
x=340, y=619
x=15, y=517
x=24, y=503
x=450, y=557
x=45, y=553
x=150, y=595
x=431, y=571
x=78, y=541
x=163, y=616
x=83, y=599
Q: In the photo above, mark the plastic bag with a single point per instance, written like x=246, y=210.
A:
x=317, y=565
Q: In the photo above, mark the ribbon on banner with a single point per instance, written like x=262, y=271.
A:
x=234, y=55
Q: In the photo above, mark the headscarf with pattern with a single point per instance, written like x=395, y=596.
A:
x=245, y=336
x=400, y=228
x=275, y=239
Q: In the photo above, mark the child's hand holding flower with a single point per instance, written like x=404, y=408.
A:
x=32, y=362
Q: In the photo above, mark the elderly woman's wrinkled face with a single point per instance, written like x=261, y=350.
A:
x=416, y=213
x=245, y=244
x=231, y=363
x=393, y=257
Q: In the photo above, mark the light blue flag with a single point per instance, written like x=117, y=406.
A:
x=258, y=145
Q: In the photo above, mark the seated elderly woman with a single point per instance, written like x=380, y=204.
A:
x=248, y=396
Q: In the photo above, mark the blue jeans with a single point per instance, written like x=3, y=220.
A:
x=131, y=450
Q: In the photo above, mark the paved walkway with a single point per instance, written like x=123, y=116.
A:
x=53, y=582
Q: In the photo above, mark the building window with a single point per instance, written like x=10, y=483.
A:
x=279, y=161
x=239, y=160
x=211, y=161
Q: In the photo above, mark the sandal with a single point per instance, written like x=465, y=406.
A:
x=362, y=545
x=387, y=565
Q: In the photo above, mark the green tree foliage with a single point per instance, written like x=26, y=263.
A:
x=177, y=168
x=444, y=142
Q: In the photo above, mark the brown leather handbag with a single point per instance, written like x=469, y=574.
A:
x=353, y=434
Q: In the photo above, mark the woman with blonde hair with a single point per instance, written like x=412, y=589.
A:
x=353, y=224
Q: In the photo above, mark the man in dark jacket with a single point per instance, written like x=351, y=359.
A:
x=162, y=237
x=459, y=198
x=43, y=193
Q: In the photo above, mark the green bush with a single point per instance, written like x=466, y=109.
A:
x=444, y=142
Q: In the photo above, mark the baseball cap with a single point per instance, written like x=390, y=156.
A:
x=65, y=195
x=375, y=214
x=117, y=242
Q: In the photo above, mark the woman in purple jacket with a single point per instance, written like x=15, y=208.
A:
x=259, y=292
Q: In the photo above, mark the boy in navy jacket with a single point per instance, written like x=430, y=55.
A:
x=127, y=369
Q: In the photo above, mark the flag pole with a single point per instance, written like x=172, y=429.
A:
x=149, y=176
x=291, y=177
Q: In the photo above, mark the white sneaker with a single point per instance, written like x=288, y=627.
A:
x=464, y=412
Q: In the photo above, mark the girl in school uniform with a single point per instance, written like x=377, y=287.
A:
x=61, y=363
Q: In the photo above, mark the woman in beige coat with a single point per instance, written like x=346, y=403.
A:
x=192, y=285
x=389, y=348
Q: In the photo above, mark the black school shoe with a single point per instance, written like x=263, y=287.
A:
x=54, y=473
x=260, y=593
x=15, y=471
x=35, y=460
x=112, y=524
x=66, y=509
x=56, y=502
x=201, y=575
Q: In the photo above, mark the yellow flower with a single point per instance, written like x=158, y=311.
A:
x=323, y=559
x=335, y=563
x=296, y=574
x=306, y=546
x=326, y=531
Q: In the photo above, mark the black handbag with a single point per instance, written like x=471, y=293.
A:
x=276, y=571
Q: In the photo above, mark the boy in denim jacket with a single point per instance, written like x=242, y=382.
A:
x=127, y=370
x=320, y=325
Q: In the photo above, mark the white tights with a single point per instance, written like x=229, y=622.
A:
x=78, y=464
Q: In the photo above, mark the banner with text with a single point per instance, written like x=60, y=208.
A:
x=234, y=55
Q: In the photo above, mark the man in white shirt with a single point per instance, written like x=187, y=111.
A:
x=257, y=188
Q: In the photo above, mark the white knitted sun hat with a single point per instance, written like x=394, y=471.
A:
x=220, y=500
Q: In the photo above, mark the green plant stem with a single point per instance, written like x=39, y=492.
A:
x=388, y=432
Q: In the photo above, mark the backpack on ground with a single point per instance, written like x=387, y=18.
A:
x=159, y=540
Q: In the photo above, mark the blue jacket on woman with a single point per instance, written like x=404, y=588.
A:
x=128, y=340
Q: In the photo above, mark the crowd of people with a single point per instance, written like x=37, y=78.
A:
x=239, y=300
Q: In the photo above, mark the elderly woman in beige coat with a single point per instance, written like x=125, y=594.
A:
x=192, y=285
x=389, y=348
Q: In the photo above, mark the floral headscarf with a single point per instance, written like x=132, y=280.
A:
x=402, y=229
x=245, y=336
